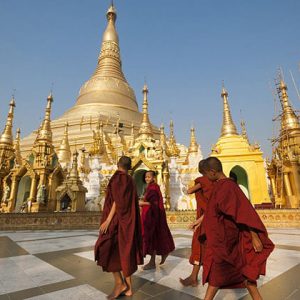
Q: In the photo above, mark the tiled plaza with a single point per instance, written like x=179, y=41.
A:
x=59, y=265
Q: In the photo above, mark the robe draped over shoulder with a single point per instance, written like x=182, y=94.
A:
x=120, y=248
x=202, y=195
x=156, y=233
x=230, y=257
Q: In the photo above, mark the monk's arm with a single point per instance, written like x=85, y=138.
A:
x=142, y=203
x=197, y=223
x=104, y=226
x=194, y=188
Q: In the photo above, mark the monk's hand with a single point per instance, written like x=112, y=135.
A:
x=104, y=226
x=191, y=226
x=196, y=226
x=256, y=242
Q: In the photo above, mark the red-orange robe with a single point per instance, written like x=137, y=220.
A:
x=202, y=195
x=155, y=230
x=120, y=248
x=229, y=256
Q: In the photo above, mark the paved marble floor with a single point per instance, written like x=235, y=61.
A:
x=59, y=265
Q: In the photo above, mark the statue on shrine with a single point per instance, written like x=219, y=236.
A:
x=41, y=194
x=6, y=194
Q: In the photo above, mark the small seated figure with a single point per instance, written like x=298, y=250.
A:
x=41, y=194
x=6, y=194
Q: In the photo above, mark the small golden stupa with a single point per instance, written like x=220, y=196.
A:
x=241, y=158
x=284, y=167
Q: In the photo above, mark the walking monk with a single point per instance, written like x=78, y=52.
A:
x=118, y=248
x=237, y=241
x=157, y=238
x=202, y=189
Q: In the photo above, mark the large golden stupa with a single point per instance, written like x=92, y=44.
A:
x=106, y=96
x=66, y=163
x=105, y=123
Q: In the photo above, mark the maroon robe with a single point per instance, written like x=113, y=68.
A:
x=156, y=233
x=202, y=195
x=120, y=248
x=230, y=258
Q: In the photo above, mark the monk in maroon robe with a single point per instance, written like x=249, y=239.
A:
x=118, y=248
x=157, y=238
x=237, y=241
x=202, y=189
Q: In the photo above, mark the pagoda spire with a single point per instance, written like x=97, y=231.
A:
x=163, y=141
x=6, y=138
x=193, y=148
x=17, y=149
x=44, y=132
x=289, y=120
x=132, y=135
x=174, y=151
x=244, y=131
x=228, y=127
x=109, y=61
x=64, y=152
x=145, y=128
x=102, y=148
x=74, y=175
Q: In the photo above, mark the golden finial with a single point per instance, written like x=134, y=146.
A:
x=173, y=149
x=17, y=149
x=193, y=148
x=45, y=132
x=64, y=152
x=289, y=120
x=111, y=12
x=244, y=131
x=7, y=137
x=163, y=141
x=228, y=127
x=74, y=176
x=145, y=128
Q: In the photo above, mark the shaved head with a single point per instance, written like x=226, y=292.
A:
x=212, y=163
x=201, y=165
x=124, y=162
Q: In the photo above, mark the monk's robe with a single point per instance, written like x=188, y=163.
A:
x=202, y=195
x=230, y=258
x=120, y=248
x=156, y=233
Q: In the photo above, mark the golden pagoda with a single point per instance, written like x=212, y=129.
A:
x=284, y=168
x=6, y=143
x=106, y=96
x=241, y=158
x=42, y=179
x=105, y=123
x=64, y=151
x=7, y=156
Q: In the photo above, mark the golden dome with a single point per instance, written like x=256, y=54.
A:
x=108, y=85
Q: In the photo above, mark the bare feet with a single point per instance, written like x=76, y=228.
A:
x=189, y=281
x=163, y=259
x=149, y=266
x=128, y=293
x=118, y=291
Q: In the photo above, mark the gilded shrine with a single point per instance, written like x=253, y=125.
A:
x=65, y=165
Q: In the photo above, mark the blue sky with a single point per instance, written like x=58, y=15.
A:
x=183, y=48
